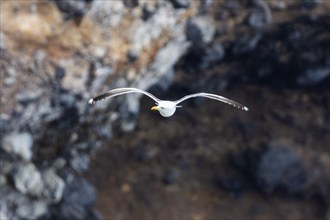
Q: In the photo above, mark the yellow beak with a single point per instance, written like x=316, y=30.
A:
x=154, y=108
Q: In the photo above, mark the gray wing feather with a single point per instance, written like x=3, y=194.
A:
x=215, y=97
x=120, y=91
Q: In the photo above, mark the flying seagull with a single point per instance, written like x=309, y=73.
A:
x=165, y=108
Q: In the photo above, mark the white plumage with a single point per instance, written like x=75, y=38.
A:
x=166, y=108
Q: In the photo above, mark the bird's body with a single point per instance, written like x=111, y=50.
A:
x=166, y=108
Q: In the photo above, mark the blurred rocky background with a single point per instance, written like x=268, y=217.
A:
x=61, y=158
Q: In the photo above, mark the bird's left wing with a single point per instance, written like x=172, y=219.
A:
x=215, y=97
x=120, y=91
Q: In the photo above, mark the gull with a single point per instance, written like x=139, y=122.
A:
x=166, y=108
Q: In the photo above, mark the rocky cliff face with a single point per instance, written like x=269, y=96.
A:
x=57, y=54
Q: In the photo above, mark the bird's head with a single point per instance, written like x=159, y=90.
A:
x=165, y=108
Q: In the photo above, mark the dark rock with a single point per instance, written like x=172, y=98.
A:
x=131, y=3
x=6, y=165
x=66, y=99
x=283, y=117
x=280, y=167
x=181, y=3
x=247, y=162
x=264, y=71
x=4, y=125
x=148, y=11
x=204, y=7
x=295, y=178
x=200, y=31
x=78, y=198
x=59, y=72
x=326, y=121
x=232, y=184
x=57, y=110
x=276, y=167
x=18, y=143
x=147, y=153
x=246, y=44
x=310, y=3
x=71, y=9
x=132, y=54
x=313, y=76
x=232, y=5
x=222, y=14
x=212, y=55
x=69, y=113
x=94, y=215
x=171, y=176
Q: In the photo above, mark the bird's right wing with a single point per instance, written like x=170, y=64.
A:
x=120, y=91
x=215, y=97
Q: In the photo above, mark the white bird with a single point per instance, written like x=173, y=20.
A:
x=165, y=108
